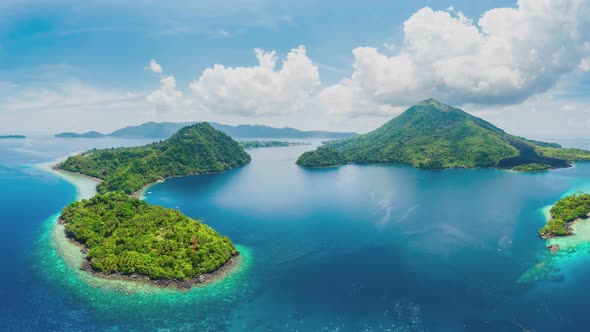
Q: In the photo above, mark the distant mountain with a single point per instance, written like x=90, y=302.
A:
x=161, y=130
x=12, y=136
x=151, y=130
x=90, y=134
x=197, y=148
x=272, y=132
x=434, y=135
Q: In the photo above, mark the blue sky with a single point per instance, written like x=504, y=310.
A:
x=64, y=63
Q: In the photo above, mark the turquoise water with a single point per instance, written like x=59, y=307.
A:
x=356, y=248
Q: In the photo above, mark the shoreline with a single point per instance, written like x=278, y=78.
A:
x=578, y=233
x=74, y=253
x=140, y=193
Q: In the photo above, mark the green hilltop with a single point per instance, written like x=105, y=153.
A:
x=197, y=148
x=434, y=135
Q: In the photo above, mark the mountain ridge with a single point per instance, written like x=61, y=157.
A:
x=160, y=130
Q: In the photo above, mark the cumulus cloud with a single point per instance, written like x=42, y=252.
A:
x=167, y=97
x=155, y=67
x=509, y=55
x=261, y=89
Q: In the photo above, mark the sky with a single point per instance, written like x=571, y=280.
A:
x=342, y=66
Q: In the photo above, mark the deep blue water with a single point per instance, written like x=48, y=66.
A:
x=356, y=248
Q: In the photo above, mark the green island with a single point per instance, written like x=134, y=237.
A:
x=269, y=144
x=434, y=135
x=566, y=211
x=12, y=136
x=533, y=167
x=192, y=150
x=126, y=238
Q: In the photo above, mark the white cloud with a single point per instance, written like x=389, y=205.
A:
x=508, y=56
x=155, y=67
x=261, y=89
x=66, y=104
x=167, y=97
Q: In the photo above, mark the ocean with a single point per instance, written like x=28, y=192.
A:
x=355, y=248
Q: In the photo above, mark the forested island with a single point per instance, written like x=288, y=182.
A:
x=434, y=135
x=12, y=136
x=269, y=144
x=125, y=237
x=194, y=149
x=565, y=212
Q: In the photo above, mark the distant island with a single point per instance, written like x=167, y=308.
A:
x=90, y=134
x=435, y=136
x=161, y=130
x=124, y=237
x=564, y=213
x=198, y=148
x=269, y=144
x=12, y=136
x=127, y=238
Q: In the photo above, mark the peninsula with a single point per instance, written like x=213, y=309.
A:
x=434, y=135
x=126, y=238
x=195, y=149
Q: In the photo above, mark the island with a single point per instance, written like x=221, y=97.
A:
x=564, y=213
x=124, y=237
x=12, y=136
x=90, y=134
x=269, y=144
x=194, y=149
x=433, y=135
x=534, y=167
x=162, y=130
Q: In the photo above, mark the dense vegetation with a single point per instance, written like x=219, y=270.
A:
x=322, y=157
x=565, y=211
x=194, y=149
x=128, y=236
x=269, y=144
x=565, y=154
x=534, y=167
x=433, y=135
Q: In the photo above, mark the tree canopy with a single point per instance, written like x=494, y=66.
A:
x=128, y=236
x=565, y=211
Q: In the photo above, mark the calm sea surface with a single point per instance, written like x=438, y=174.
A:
x=356, y=248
